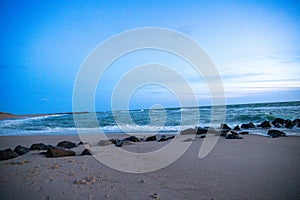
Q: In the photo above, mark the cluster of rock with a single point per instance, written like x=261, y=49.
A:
x=234, y=133
x=132, y=139
x=63, y=149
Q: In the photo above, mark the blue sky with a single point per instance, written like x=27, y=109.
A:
x=255, y=46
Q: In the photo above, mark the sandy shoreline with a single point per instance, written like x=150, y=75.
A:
x=253, y=168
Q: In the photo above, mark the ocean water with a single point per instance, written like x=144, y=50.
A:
x=156, y=120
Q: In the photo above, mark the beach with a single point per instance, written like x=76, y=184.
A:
x=255, y=167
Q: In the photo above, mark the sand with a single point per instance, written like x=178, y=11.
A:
x=255, y=167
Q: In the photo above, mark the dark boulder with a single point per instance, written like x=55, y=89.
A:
x=278, y=122
x=59, y=152
x=86, y=152
x=296, y=122
x=20, y=150
x=237, y=128
x=40, y=146
x=247, y=126
x=243, y=132
x=114, y=141
x=288, y=124
x=232, y=135
x=162, y=139
x=80, y=143
x=7, y=154
x=201, y=130
x=132, y=139
x=66, y=144
x=123, y=143
x=251, y=125
x=151, y=138
x=265, y=124
x=275, y=133
x=225, y=127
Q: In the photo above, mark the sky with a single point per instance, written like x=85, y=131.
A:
x=255, y=46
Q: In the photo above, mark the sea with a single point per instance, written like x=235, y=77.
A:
x=161, y=121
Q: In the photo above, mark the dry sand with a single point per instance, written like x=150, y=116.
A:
x=253, y=168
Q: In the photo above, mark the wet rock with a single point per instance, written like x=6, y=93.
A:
x=232, y=135
x=59, y=152
x=7, y=154
x=247, y=126
x=40, y=146
x=288, y=124
x=225, y=127
x=202, y=136
x=278, y=122
x=296, y=122
x=237, y=128
x=251, y=125
x=275, y=133
x=164, y=138
x=189, y=131
x=132, y=139
x=202, y=130
x=80, y=143
x=66, y=144
x=20, y=150
x=86, y=152
x=243, y=132
x=265, y=124
x=151, y=138
x=105, y=142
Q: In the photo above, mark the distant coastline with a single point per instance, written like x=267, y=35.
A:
x=5, y=115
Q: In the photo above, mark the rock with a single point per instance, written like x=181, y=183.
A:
x=151, y=138
x=275, y=133
x=86, y=152
x=202, y=136
x=288, y=124
x=232, y=135
x=189, y=131
x=132, y=139
x=243, y=132
x=7, y=154
x=247, y=126
x=59, y=152
x=123, y=143
x=296, y=122
x=202, y=130
x=237, y=128
x=20, y=150
x=105, y=142
x=40, y=146
x=80, y=143
x=154, y=196
x=165, y=138
x=225, y=127
x=265, y=124
x=188, y=140
x=114, y=141
x=278, y=122
x=251, y=125
x=66, y=144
